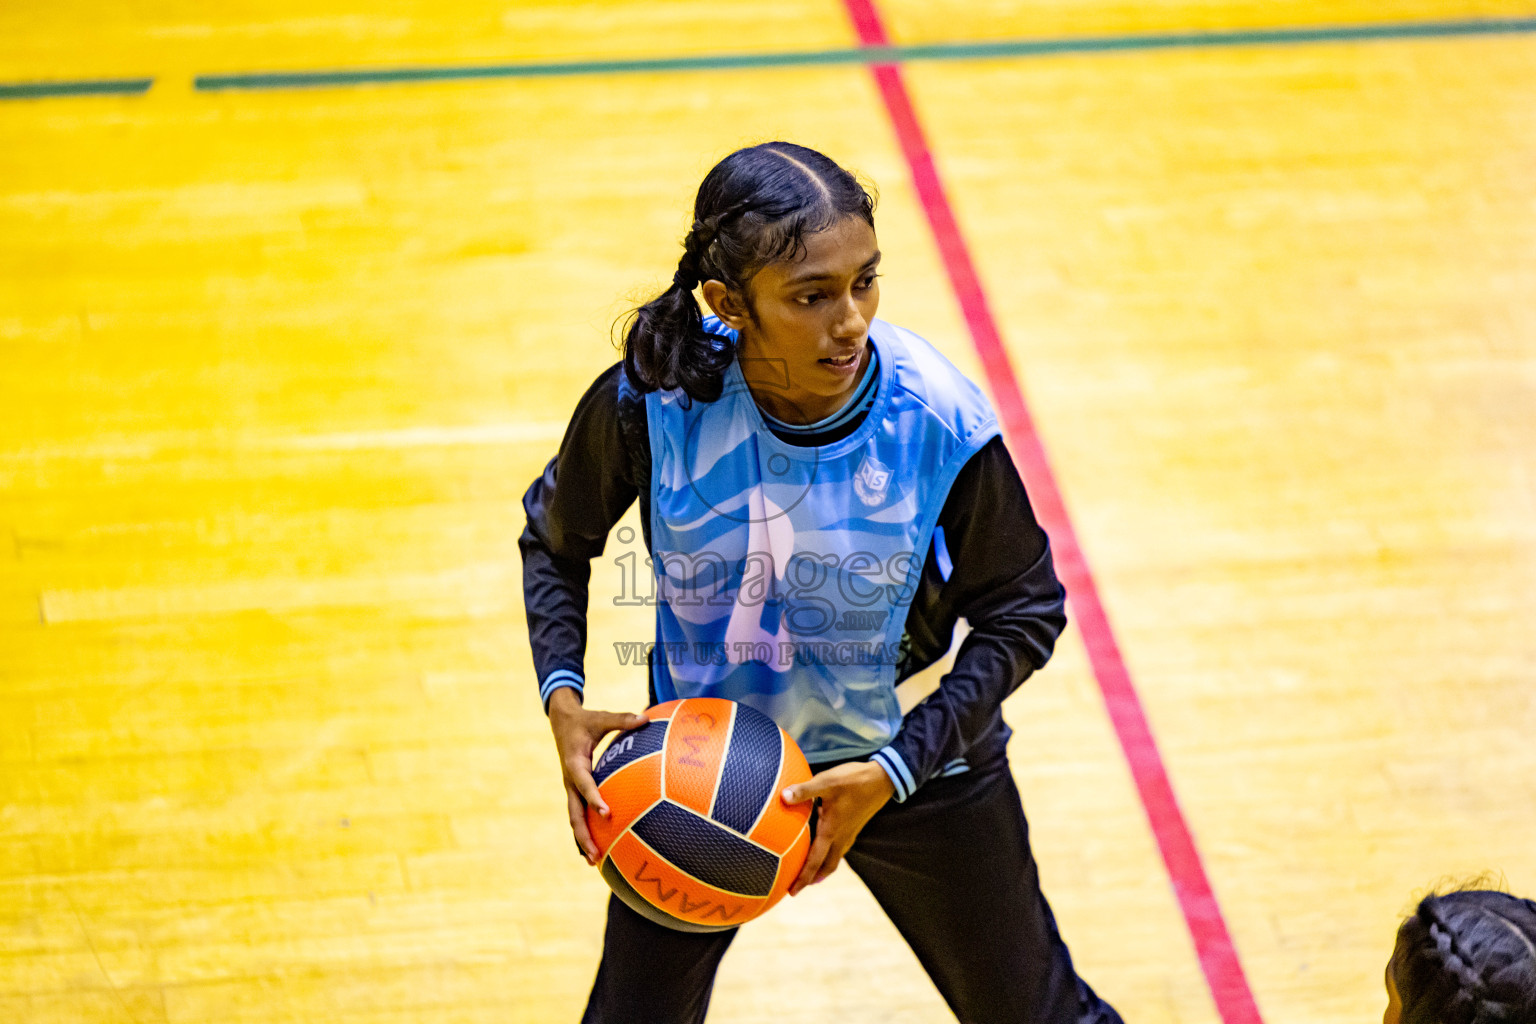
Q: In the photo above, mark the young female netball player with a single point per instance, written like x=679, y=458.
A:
x=823, y=495
x=1465, y=958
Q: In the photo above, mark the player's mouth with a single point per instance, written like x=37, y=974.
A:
x=843, y=364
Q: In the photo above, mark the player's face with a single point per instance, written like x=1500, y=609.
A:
x=804, y=337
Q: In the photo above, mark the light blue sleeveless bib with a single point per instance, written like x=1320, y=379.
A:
x=784, y=573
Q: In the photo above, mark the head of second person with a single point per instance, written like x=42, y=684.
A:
x=783, y=249
x=1465, y=957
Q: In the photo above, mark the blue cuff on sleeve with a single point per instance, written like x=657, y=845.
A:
x=896, y=768
x=556, y=679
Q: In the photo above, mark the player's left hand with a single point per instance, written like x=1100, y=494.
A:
x=850, y=795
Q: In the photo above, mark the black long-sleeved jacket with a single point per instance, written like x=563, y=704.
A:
x=990, y=564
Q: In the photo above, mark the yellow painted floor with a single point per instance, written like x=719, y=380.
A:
x=278, y=366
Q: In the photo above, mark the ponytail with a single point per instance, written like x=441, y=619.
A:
x=666, y=345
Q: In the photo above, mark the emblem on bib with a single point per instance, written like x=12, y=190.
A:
x=872, y=480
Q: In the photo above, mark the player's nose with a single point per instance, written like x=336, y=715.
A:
x=851, y=324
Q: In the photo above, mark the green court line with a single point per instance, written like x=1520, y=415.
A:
x=999, y=49
x=99, y=87
x=872, y=54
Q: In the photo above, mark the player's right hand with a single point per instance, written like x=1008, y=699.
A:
x=577, y=733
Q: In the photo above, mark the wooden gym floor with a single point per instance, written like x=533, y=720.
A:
x=279, y=363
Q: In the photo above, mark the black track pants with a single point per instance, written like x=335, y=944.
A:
x=953, y=870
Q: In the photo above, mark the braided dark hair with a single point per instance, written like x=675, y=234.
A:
x=753, y=208
x=1468, y=958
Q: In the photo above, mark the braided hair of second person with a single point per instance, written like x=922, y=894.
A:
x=1467, y=958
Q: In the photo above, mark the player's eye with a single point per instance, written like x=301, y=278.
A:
x=811, y=299
x=868, y=282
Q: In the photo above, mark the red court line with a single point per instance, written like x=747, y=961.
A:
x=1213, y=944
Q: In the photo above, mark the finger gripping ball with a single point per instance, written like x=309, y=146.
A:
x=699, y=839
